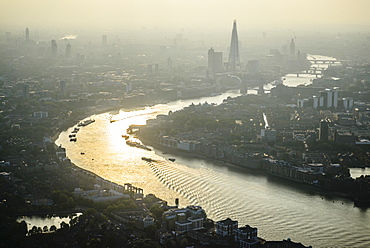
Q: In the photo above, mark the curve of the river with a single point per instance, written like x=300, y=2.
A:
x=279, y=210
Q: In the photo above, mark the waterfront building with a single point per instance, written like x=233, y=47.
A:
x=196, y=211
x=226, y=227
x=186, y=145
x=184, y=219
x=60, y=152
x=234, y=58
x=185, y=225
x=215, y=63
x=246, y=236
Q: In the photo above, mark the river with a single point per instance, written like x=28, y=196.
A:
x=277, y=209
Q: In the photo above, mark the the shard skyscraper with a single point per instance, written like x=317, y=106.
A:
x=234, y=59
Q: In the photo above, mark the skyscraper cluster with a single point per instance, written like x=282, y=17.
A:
x=215, y=59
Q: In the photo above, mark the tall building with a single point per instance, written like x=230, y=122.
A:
x=27, y=34
x=26, y=91
x=324, y=130
x=62, y=87
x=104, y=40
x=169, y=62
x=68, y=51
x=234, y=58
x=54, y=49
x=215, y=61
x=292, y=48
x=329, y=98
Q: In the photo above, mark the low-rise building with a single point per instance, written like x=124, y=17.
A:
x=226, y=227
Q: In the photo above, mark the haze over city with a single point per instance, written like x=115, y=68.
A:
x=205, y=15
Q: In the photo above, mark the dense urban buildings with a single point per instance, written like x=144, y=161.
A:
x=306, y=135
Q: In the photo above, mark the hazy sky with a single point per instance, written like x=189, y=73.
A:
x=200, y=14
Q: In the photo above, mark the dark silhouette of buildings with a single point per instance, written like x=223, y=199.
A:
x=323, y=130
x=234, y=58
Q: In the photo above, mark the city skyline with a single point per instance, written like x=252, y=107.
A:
x=165, y=14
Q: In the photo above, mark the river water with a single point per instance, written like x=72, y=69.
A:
x=277, y=209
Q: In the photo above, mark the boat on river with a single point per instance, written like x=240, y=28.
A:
x=76, y=130
x=85, y=123
x=137, y=144
x=147, y=159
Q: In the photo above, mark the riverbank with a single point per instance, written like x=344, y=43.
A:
x=173, y=153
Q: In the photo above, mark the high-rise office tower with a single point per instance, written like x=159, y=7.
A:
x=26, y=91
x=323, y=130
x=329, y=98
x=62, y=87
x=292, y=48
x=104, y=40
x=214, y=61
x=234, y=59
x=54, y=49
x=169, y=62
x=68, y=51
x=27, y=34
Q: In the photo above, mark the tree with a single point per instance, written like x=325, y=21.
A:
x=145, y=243
x=157, y=211
x=150, y=231
x=53, y=228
